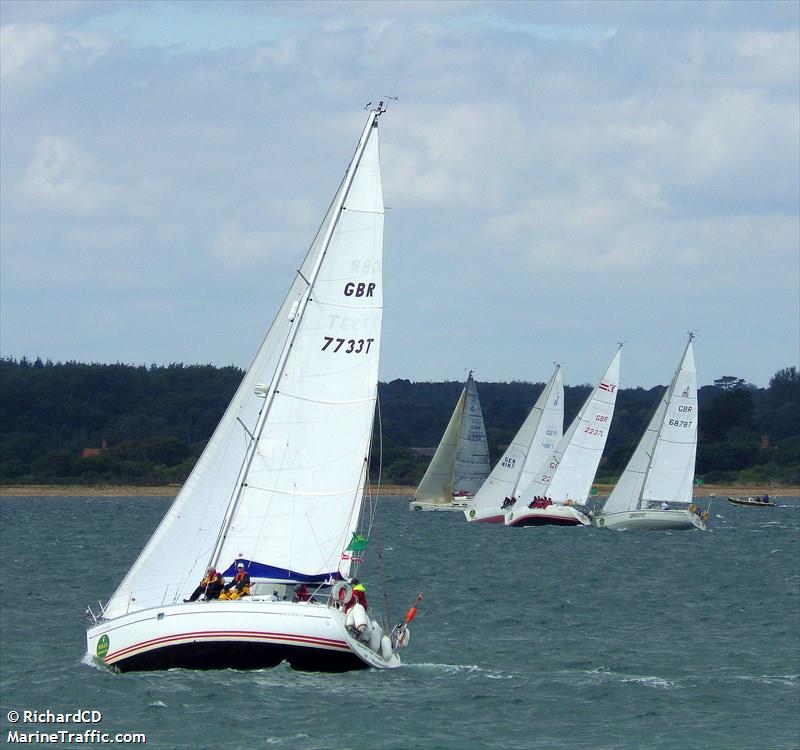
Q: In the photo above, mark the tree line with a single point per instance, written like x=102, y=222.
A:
x=148, y=424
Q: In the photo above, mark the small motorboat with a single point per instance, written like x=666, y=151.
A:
x=755, y=502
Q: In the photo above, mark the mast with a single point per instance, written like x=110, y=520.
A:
x=372, y=122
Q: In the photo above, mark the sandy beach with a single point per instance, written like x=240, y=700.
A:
x=394, y=490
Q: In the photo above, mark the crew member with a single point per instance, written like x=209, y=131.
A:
x=359, y=593
x=301, y=593
x=239, y=586
x=211, y=585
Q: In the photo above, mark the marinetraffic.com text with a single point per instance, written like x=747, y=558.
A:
x=48, y=731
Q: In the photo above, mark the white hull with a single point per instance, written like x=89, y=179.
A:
x=653, y=519
x=552, y=515
x=248, y=633
x=455, y=505
x=487, y=516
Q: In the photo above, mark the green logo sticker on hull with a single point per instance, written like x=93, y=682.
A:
x=602, y=521
x=472, y=514
x=102, y=646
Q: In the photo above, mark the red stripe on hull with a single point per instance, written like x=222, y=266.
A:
x=301, y=639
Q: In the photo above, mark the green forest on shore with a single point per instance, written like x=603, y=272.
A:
x=76, y=423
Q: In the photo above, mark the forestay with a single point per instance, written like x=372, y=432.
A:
x=279, y=484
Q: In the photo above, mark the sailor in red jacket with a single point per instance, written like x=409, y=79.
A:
x=359, y=594
x=239, y=586
x=211, y=586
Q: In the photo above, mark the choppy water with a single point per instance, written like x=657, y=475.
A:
x=544, y=638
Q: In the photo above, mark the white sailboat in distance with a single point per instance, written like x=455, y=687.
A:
x=461, y=462
x=655, y=490
x=279, y=488
x=557, y=495
x=534, y=442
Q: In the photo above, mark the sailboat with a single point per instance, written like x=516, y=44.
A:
x=655, y=490
x=535, y=440
x=461, y=462
x=279, y=488
x=560, y=488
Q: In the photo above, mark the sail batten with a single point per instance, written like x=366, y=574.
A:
x=305, y=493
x=352, y=402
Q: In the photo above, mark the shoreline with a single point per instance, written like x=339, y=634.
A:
x=391, y=490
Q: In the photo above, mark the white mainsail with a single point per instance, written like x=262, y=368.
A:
x=279, y=484
x=472, y=457
x=535, y=440
x=436, y=487
x=568, y=473
x=662, y=466
x=460, y=464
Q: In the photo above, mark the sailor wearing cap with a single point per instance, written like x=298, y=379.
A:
x=239, y=586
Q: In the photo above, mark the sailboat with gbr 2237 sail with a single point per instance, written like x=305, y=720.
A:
x=559, y=490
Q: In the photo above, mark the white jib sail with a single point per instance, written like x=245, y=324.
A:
x=472, y=457
x=628, y=490
x=307, y=453
x=436, y=487
x=662, y=466
x=671, y=474
x=534, y=442
x=568, y=473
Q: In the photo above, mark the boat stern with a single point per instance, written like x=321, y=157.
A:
x=98, y=643
x=471, y=514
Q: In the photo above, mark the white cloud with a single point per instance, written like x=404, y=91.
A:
x=278, y=54
x=64, y=180
x=31, y=53
x=26, y=45
x=775, y=54
x=643, y=134
x=457, y=155
x=61, y=177
x=655, y=173
x=237, y=246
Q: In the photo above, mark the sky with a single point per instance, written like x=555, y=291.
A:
x=558, y=177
